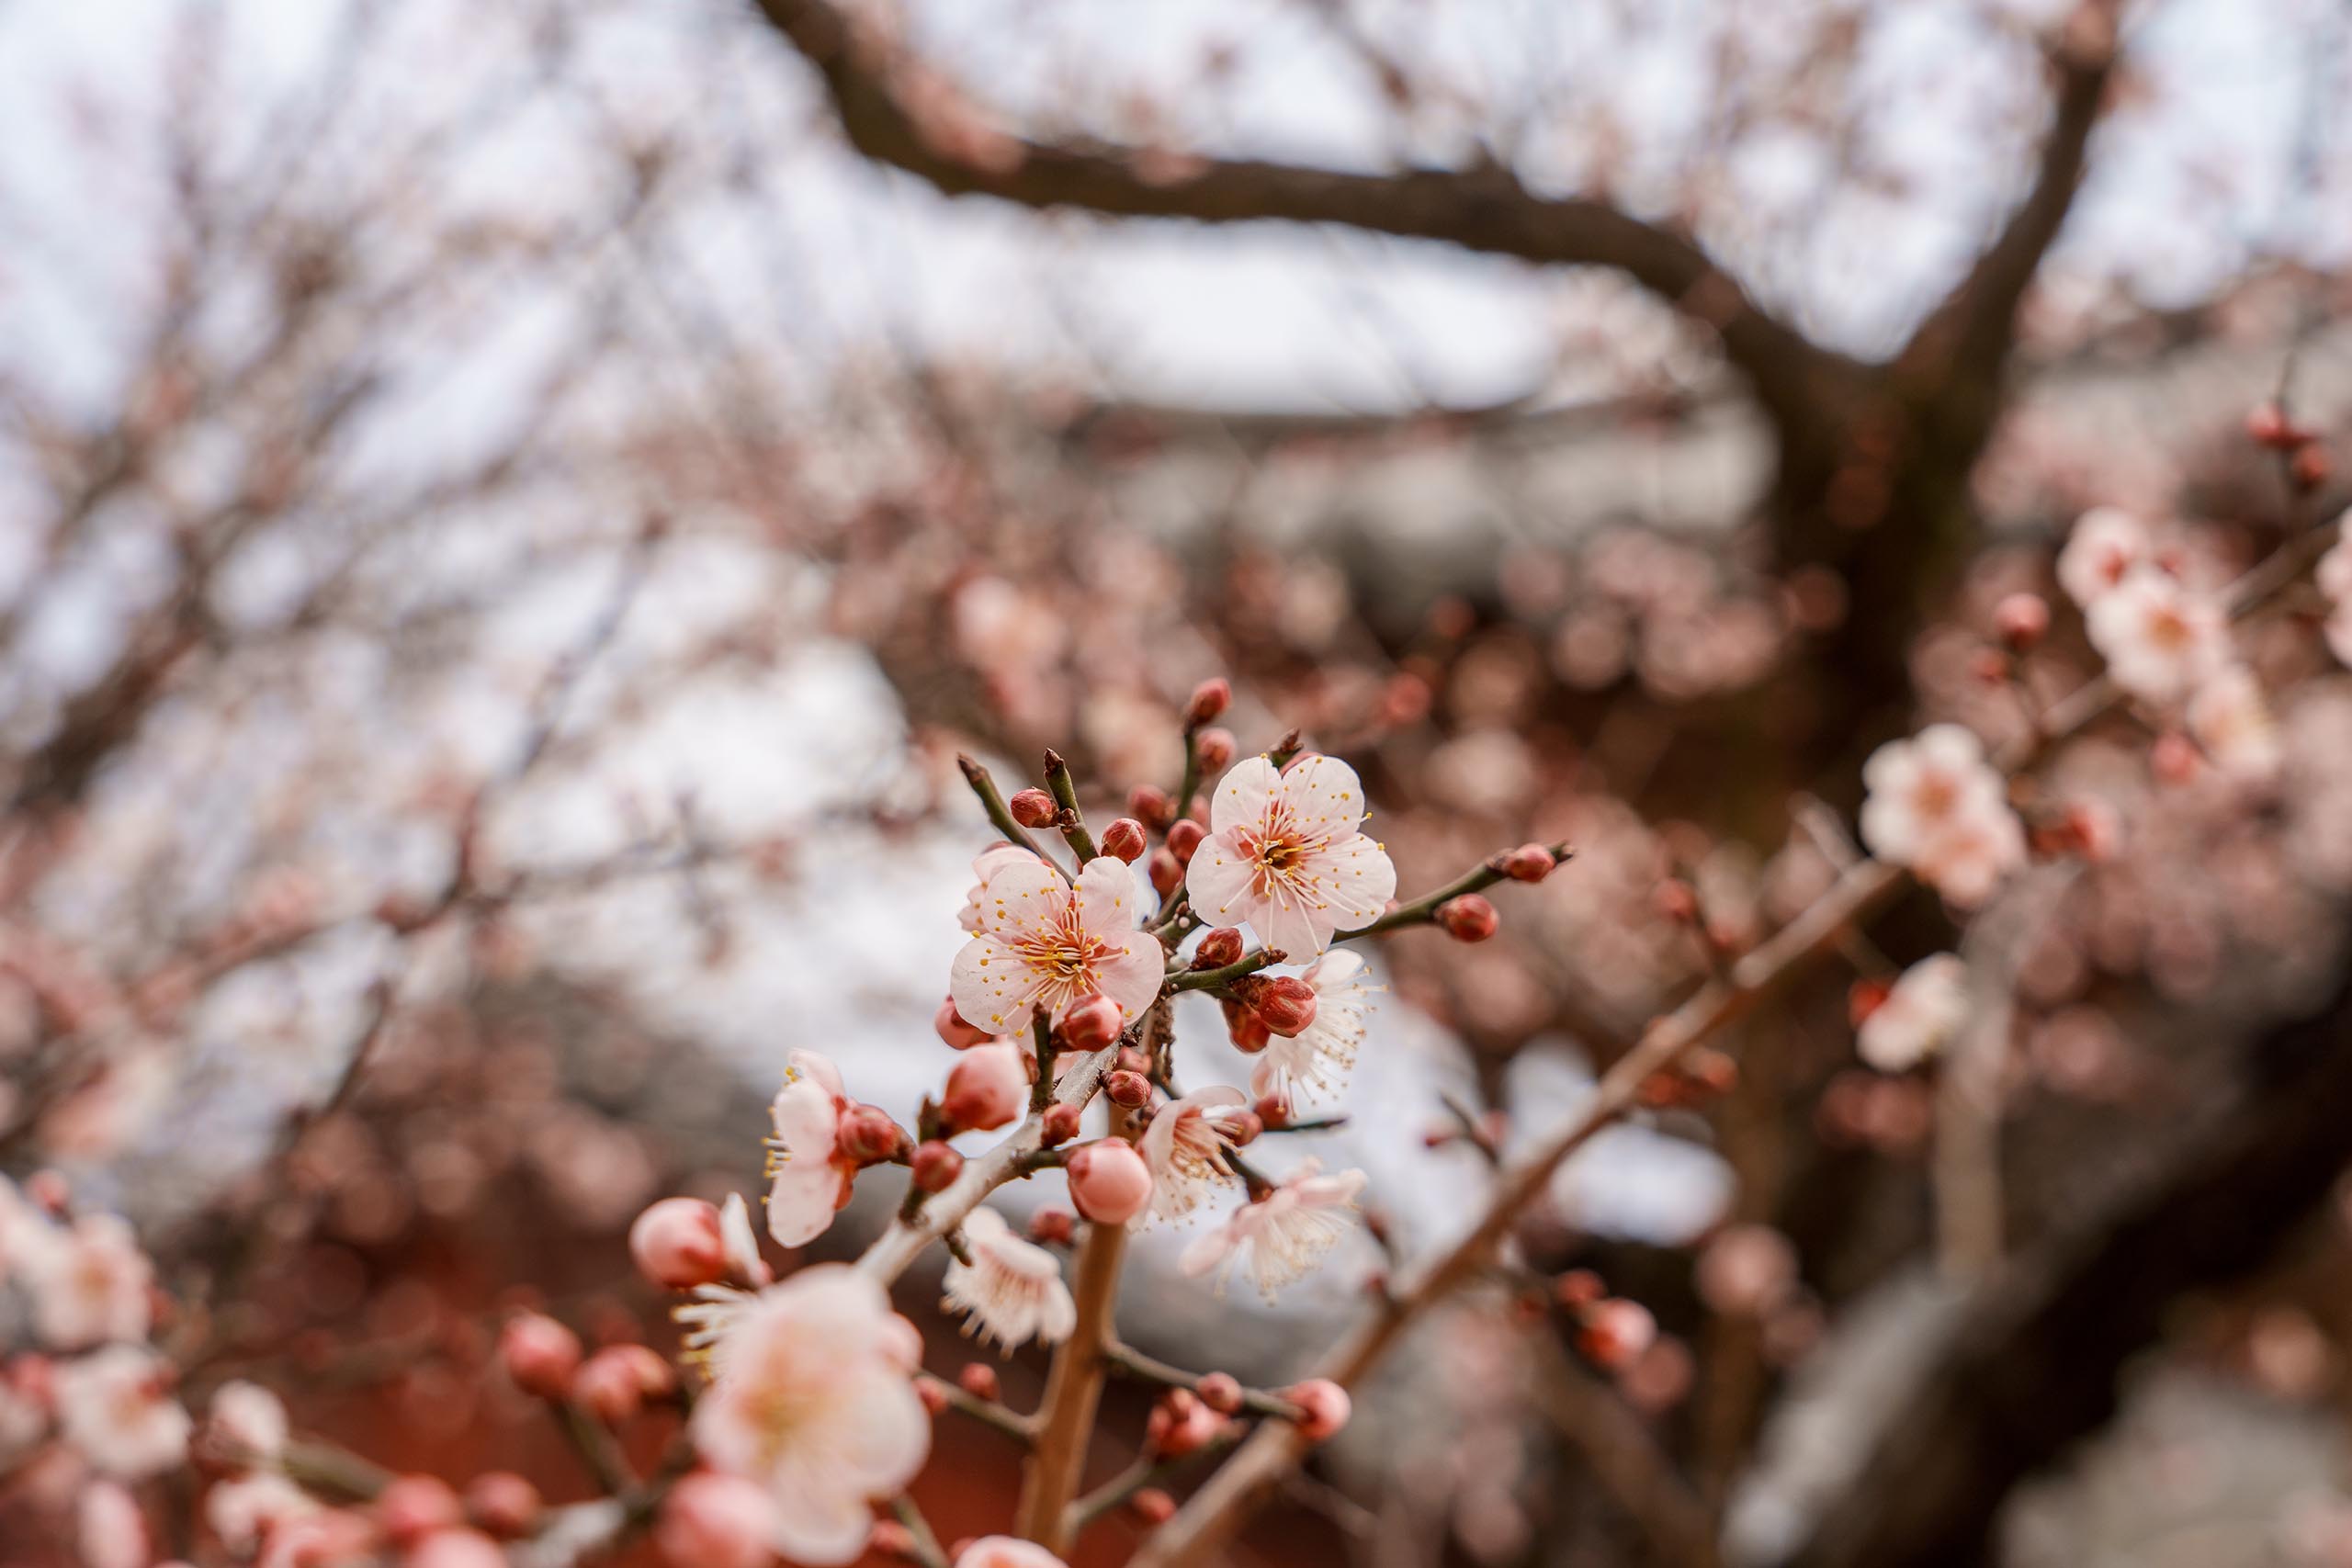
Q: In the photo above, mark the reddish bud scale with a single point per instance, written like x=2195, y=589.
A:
x=933, y=1395
x=1246, y=1028
x=1244, y=1129
x=1864, y=999
x=1060, y=1124
x=1124, y=840
x=1529, y=863
x=1215, y=748
x=1089, y=1024
x=1468, y=918
x=935, y=1166
x=1151, y=806
x=868, y=1135
x=1034, y=808
x=1183, y=839
x=2268, y=427
x=1210, y=699
x=1131, y=1090
x=1273, y=1113
x=1130, y=1060
x=1053, y=1227
x=1167, y=872
x=1283, y=1003
x=1219, y=947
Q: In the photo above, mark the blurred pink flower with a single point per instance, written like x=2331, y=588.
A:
x=1923, y=1012
x=2105, y=544
x=89, y=1283
x=1285, y=1235
x=2160, y=638
x=115, y=1405
x=809, y=1177
x=1184, y=1148
x=1011, y=1291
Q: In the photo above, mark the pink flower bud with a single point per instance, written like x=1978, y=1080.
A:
x=1283, y=1003
x=933, y=1395
x=1053, y=1227
x=540, y=1354
x=1060, y=1125
x=1323, y=1408
x=985, y=1089
x=1109, y=1181
x=935, y=1166
x=617, y=1380
x=1125, y=839
x=503, y=1504
x=2021, y=619
x=978, y=1379
x=1468, y=917
x=1167, y=872
x=1090, y=1023
x=1210, y=699
x=676, y=1244
x=868, y=1135
x=1221, y=1392
x=1129, y=1089
x=1181, y=1425
x=1245, y=1029
x=710, y=1520
x=1150, y=805
x=1529, y=863
x=955, y=1031
x=1272, y=1111
x=1183, y=838
x=1615, y=1331
x=1215, y=748
x=455, y=1548
x=1034, y=808
x=411, y=1507
x=1151, y=1506
x=1218, y=948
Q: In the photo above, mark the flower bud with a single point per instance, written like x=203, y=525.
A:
x=455, y=1548
x=1615, y=1331
x=1865, y=997
x=1243, y=1129
x=932, y=1394
x=503, y=1504
x=676, y=1243
x=1183, y=838
x=1123, y=838
x=1090, y=1023
x=2021, y=619
x=617, y=1380
x=868, y=1136
x=1529, y=863
x=978, y=1379
x=1109, y=1181
x=1215, y=748
x=1127, y=1089
x=1218, y=948
x=1210, y=699
x=1468, y=917
x=955, y=1031
x=1323, y=1408
x=936, y=1164
x=1245, y=1029
x=1150, y=805
x=1283, y=1003
x=1167, y=872
x=1034, y=808
x=1579, y=1289
x=1180, y=1425
x=2309, y=469
x=1273, y=1111
x=411, y=1507
x=717, y=1521
x=1221, y=1392
x=1152, y=1505
x=540, y=1354
x=985, y=1089
x=1130, y=1060
x=1060, y=1124
x=1053, y=1227
x=2268, y=427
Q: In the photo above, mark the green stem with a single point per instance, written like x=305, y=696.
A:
x=1217, y=979
x=1073, y=825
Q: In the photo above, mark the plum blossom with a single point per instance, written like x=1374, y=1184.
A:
x=2160, y=638
x=2232, y=720
x=1005, y=1551
x=109, y=1528
x=740, y=1246
x=2105, y=544
x=813, y=1398
x=1044, y=943
x=990, y=860
x=1011, y=1291
x=809, y=1177
x=243, y=1511
x=1316, y=1060
x=89, y=1283
x=245, y=1423
x=1937, y=807
x=1284, y=1235
x=1184, y=1148
x=1966, y=862
x=1926, y=1008
x=114, y=1405
x=1284, y=855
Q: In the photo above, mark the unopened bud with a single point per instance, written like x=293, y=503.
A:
x=1323, y=1408
x=2175, y=758
x=2309, y=469
x=1615, y=1331
x=1181, y=1425
x=717, y=1521
x=1210, y=698
x=1245, y=1029
x=1215, y=748
x=933, y=1395
x=1579, y=1289
x=1130, y=1060
x=951, y=1028
x=1090, y=1023
x=978, y=1379
x=1127, y=1089
x=1150, y=805
x=1167, y=872
x=985, y=1089
x=1468, y=917
x=1529, y=863
x=411, y=1507
x=676, y=1244
x=1053, y=1227
x=1109, y=1181
x=503, y=1504
x=541, y=1354
x=1218, y=948
x=1183, y=838
x=1711, y=1070
x=1124, y=839
x=1034, y=808
x=1283, y=1003
x=1674, y=900
x=935, y=1166
x=618, y=1380
x=868, y=1135
x=1273, y=1111
x=1152, y=1505
x=2022, y=619
x=1060, y=1124
x=2268, y=427
x=1221, y=1392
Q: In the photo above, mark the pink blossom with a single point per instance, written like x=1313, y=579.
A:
x=2230, y=719
x=809, y=1177
x=89, y=1283
x=990, y=860
x=717, y=1521
x=1316, y=1060
x=813, y=1399
x=985, y=1089
x=676, y=1243
x=115, y=1405
x=455, y=1548
x=1185, y=1148
x=1109, y=1181
x=245, y=1423
x=1923, y=1012
x=1283, y=855
x=744, y=1264
x=1967, y=860
x=2160, y=638
x=1006, y=1551
x=1284, y=1235
x=241, y=1512
x=1937, y=807
x=109, y=1528
x=1011, y=1291
x=1044, y=944
x=2104, y=547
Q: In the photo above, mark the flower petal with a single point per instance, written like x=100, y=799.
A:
x=1023, y=898
x=1131, y=972
x=1355, y=879
x=1221, y=879
x=992, y=987
x=1106, y=896
x=1244, y=795
x=1325, y=797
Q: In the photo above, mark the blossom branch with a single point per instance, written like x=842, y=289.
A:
x=1128, y=1362
x=1217, y=979
x=1072, y=823
x=992, y=802
x=1423, y=910
x=987, y=1411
